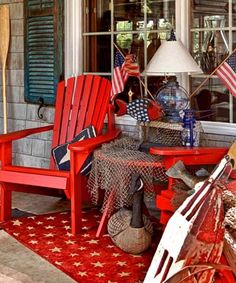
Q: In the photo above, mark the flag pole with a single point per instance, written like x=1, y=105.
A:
x=211, y=74
x=138, y=77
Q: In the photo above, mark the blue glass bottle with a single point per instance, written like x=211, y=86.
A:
x=188, y=133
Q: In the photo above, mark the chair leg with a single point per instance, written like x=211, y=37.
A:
x=6, y=201
x=76, y=205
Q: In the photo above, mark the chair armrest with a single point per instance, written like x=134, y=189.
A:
x=23, y=133
x=89, y=145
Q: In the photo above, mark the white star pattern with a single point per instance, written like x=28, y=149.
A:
x=73, y=254
x=82, y=273
x=56, y=250
x=32, y=235
x=67, y=227
x=77, y=264
x=82, y=255
x=16, y=222
x=85, y=228
x=49, y=235
x=124, y=274
x=92, y=241
x=33, y=242
x=95, y=254
x=86, y=235
x=140, y=264
x=100, y=275
x=121, y=263
x=30, y=228
x=69, y=242
x=97, y=264
x=82, y=248
x=116, y=254
x=50, y=218
x=49, y=227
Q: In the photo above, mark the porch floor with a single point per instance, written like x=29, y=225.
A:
x=19, y=264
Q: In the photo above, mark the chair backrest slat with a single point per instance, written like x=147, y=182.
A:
x=58, y=113
x=78, y=92
x=87, y=90
x=92, y=102
x=66, y=110
x=101, y=105
x=83, y=101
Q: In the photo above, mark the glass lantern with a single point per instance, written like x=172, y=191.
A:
x=173, y=100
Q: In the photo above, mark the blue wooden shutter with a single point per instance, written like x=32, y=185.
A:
x=43, y=49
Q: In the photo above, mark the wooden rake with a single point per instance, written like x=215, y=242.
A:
x=164, y=263
x=4, y=45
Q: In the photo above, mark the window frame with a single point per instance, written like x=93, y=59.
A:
x=73, y=53
x=230, y=29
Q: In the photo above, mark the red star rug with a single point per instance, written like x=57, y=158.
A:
x=84, y=257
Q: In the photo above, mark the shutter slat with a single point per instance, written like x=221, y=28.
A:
x=38, y=4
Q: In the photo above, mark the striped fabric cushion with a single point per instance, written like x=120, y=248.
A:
x=61, y=153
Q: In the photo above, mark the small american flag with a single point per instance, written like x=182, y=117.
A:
x=119, y=76
x=227, y=73
x=131, y=65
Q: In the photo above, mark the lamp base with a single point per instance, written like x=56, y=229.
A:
x=173, y=100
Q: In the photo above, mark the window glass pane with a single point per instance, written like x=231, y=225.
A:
x=130, y=12
x=97, y=53
x=213, y=37
x=138, y=28
x=204, y=10
x=97, y=15
x=212, y=101
x=234, y=13
x=210, y=48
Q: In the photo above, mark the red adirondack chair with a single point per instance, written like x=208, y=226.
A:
x=80, y=102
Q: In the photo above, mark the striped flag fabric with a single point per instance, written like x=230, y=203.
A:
x=131, y=65
x=119, y=76
x=227, y=73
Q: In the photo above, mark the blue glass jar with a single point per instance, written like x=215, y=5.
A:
x=173, y=100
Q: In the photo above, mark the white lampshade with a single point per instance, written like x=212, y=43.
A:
x=170, y=58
